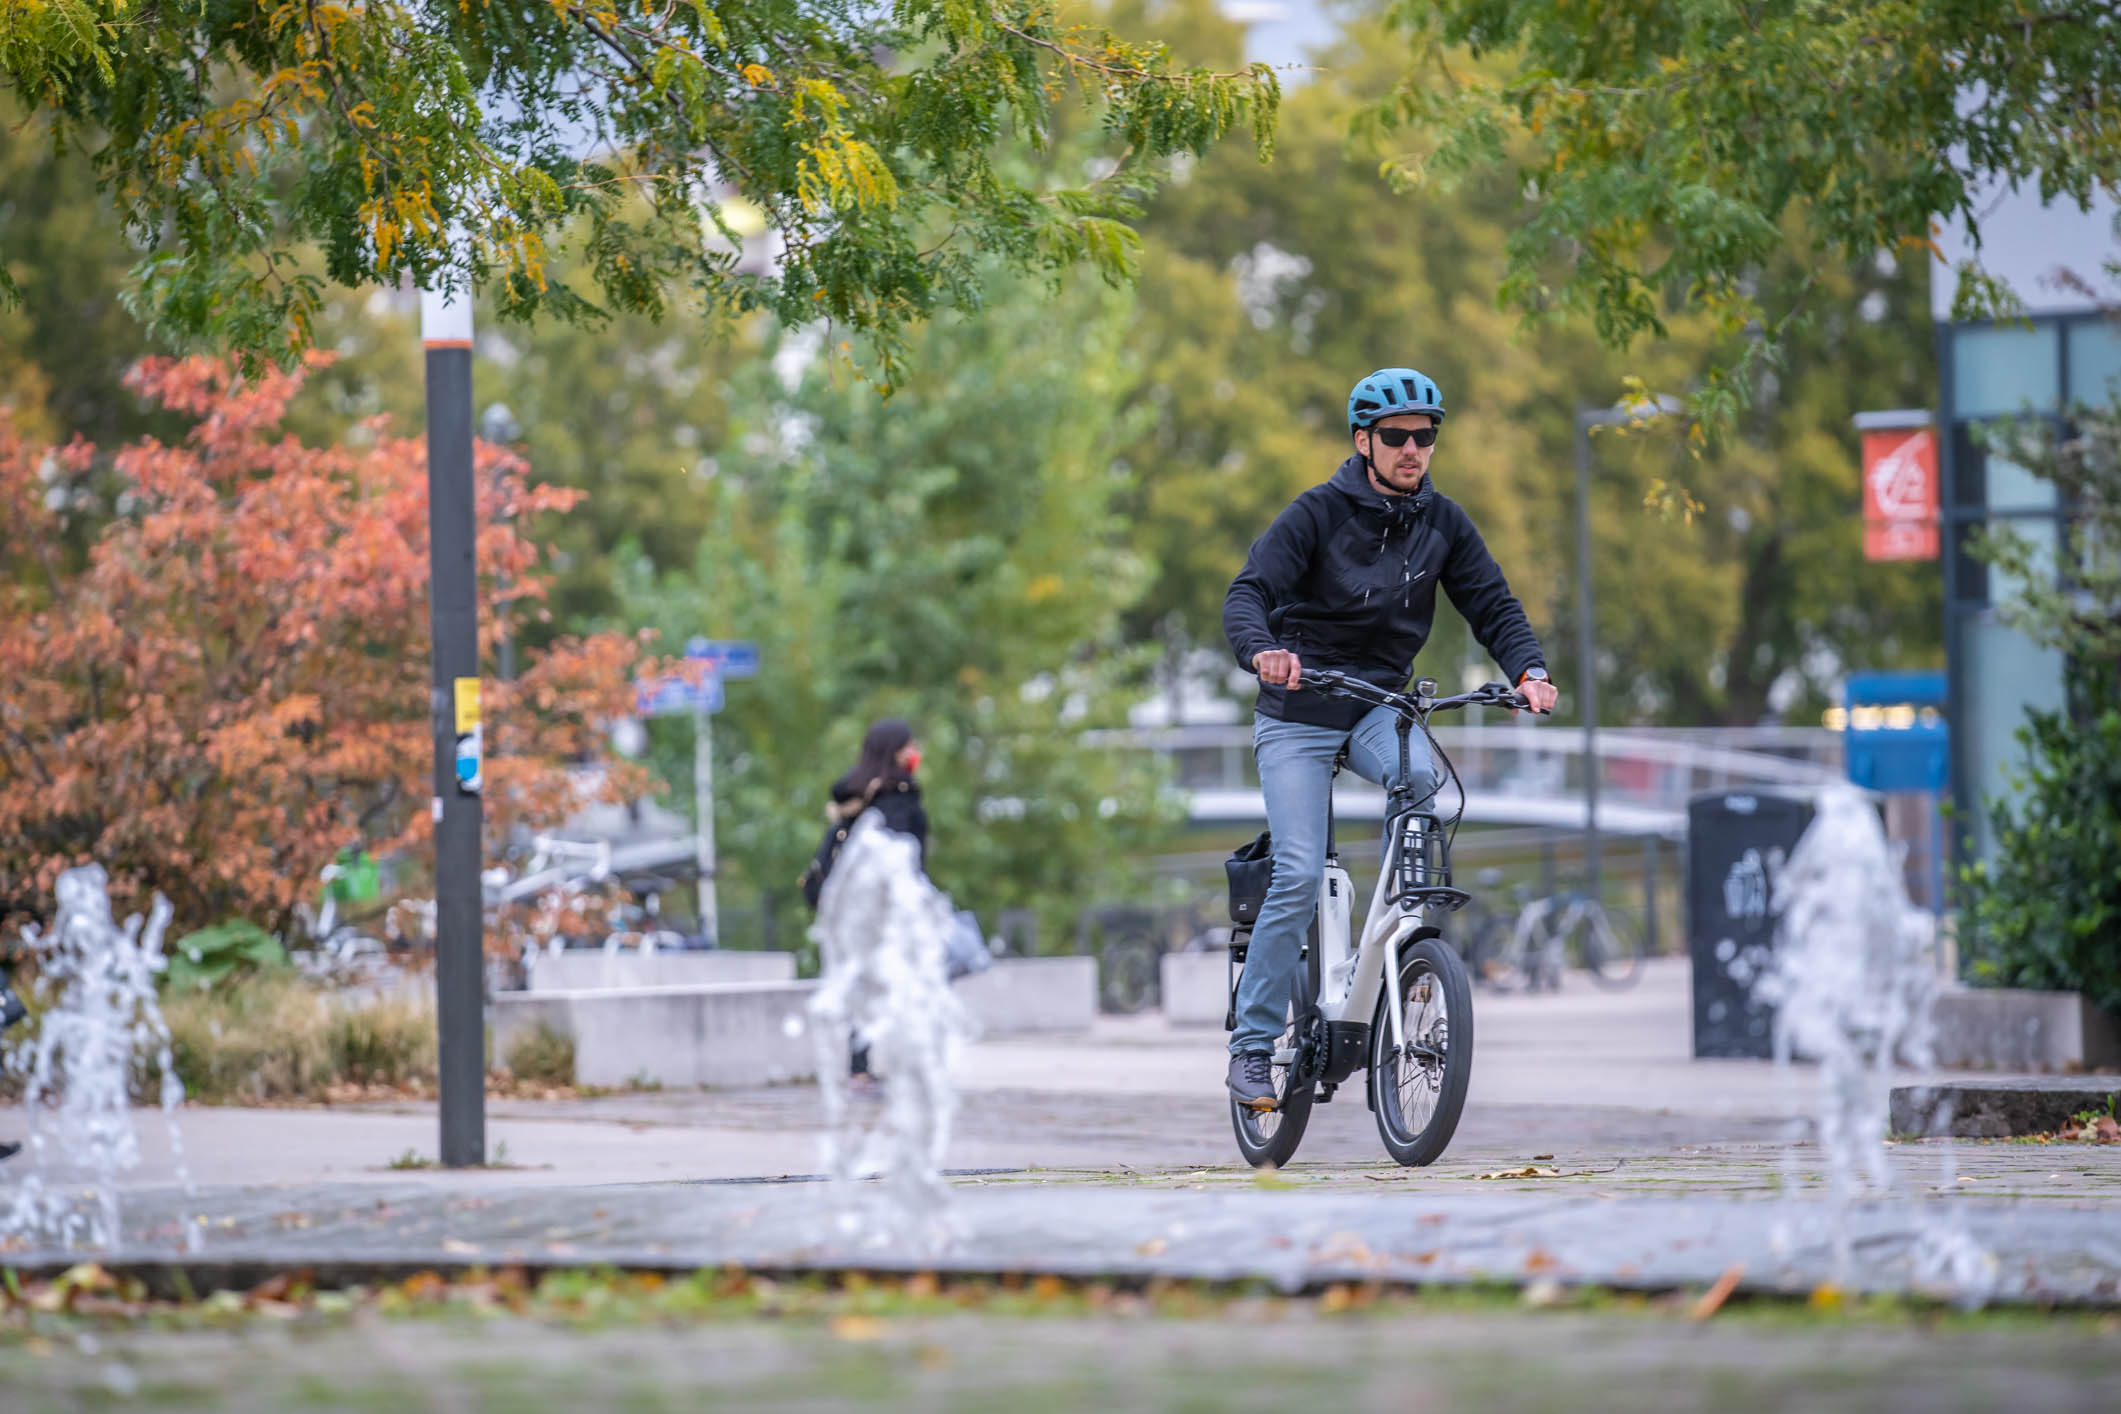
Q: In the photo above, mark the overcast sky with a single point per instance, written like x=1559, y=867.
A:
x=1281, y=30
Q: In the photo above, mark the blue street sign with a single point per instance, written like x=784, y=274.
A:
x=732, y=657
x=670, y=697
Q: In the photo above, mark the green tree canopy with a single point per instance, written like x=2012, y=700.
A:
x=1682, y=145
x=954, y=556
x=446, y=143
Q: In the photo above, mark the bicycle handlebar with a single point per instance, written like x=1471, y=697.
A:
x=1492, y=694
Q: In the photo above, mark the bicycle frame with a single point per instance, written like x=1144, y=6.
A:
x=1414, y=878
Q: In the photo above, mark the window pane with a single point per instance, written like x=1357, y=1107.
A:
x=2094, y=363
x=2005, y=674
x=1996, y=372
x=2012, y=488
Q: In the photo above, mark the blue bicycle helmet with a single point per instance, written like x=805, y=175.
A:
x=1389, y=392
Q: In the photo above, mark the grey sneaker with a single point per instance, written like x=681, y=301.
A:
x=1252, y=1080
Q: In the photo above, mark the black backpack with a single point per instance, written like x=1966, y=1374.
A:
x=812, y=879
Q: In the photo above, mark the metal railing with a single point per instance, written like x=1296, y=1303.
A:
x=1525, y=774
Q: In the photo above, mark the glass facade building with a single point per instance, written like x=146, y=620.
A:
x=1991, y=373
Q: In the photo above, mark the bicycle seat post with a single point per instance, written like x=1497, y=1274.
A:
x=1406, y=763
x=1332, y=849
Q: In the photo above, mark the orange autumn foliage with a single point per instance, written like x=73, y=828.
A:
x=236, y=683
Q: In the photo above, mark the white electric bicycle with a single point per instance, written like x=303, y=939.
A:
x=1414, y=1037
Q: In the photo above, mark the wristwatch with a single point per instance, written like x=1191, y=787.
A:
x=1532, y=675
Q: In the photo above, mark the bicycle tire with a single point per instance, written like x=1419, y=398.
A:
x=1268, y=1139
x=1430, y=961
x=1616, y=965
x=1504, y=957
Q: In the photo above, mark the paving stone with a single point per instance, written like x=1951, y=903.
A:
x=1293, y=1239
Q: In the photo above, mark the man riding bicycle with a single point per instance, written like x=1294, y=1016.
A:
x=1346, y=578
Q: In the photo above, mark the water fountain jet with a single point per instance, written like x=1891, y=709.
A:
x=881, y=931
x=97, y=981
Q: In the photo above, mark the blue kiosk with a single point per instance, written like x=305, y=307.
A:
x=1898, y=742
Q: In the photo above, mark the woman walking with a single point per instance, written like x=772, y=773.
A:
x=882, y=780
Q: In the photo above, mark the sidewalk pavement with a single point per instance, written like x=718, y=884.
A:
x=1601, y=1078
x=1593, y=1149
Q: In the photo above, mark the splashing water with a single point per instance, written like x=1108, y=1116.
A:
x=99, y=979
x=881, y=931
x=1853, y=981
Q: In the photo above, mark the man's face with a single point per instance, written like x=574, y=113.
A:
x=1401, y=468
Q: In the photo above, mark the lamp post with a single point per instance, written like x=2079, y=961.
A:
x=1620, y=415
x=459, y=744
x=498, y=426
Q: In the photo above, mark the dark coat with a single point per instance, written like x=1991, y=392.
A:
x=898, y=800
x=1346, y=578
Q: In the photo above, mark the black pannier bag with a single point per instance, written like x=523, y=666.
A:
x=1251, y=869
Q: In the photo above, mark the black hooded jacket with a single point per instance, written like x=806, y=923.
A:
x=897, y=799
x=1346, y=578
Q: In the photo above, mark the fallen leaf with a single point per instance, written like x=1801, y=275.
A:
x=1542, y=1156
x=1154, y=1247
x=857, y=1328
x=1540, y=1260
x=1528, y=1171
x=1712, y=1300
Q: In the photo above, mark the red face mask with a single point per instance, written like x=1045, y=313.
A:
x=913, y=762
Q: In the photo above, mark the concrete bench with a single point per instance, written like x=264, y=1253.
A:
x=1030, y=994
x=715, y=1035
x=593, y=969
x=1196, y=987
x=2006, y=1028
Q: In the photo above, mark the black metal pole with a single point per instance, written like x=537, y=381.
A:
x=460, y=1014
x=1586, y=649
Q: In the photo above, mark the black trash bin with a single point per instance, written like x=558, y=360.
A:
x=1737, y=842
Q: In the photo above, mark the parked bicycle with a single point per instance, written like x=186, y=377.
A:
x=1398, y=1006
x=1550, y=934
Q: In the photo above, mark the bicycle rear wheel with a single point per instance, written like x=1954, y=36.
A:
x=1268, y=1138
x=1610, y=949
x=1420, y=1091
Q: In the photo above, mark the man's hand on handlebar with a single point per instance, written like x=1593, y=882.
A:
x=1278, y=667
x=1538, y=695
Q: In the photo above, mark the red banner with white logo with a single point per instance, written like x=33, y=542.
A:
x=1900, y=497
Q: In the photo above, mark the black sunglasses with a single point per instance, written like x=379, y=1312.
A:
x=1398, y=436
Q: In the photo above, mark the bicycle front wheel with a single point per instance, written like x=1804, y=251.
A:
x=1268, y=1138
x=1420, y=1088
x=1610, y=949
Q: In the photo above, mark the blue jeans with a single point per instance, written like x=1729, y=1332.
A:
x=1295, y=774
